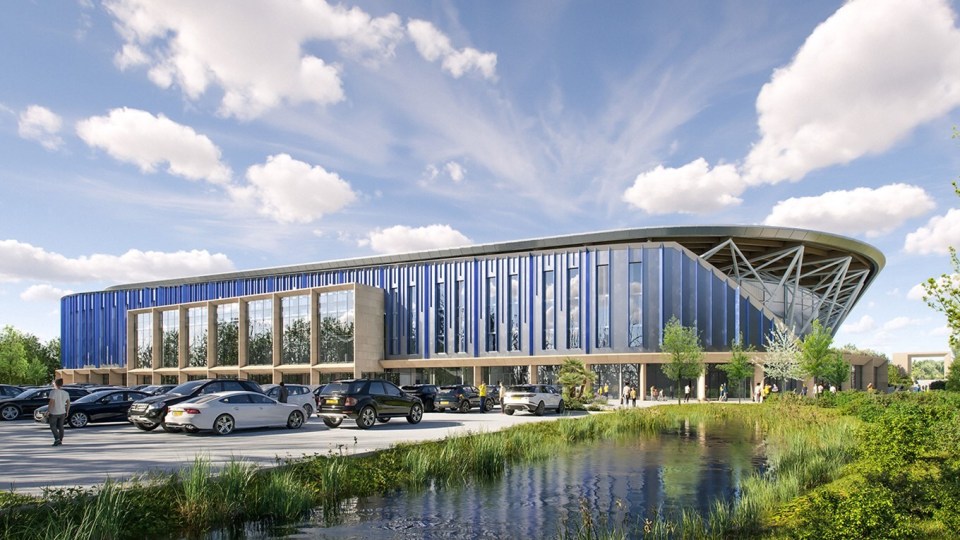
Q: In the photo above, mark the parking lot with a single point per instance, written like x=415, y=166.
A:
x=90, y=455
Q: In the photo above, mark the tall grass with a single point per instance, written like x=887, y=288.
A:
x=102, y=518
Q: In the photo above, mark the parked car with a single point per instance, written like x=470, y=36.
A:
x=535, y=398
x=223, y=412
x=151, y=412
x=367, y=401
x=102, y=406
x=460, y=397
x=426, y=392
x=157, y=389
x=9, y=390
x=27, y=401
x=296, y=393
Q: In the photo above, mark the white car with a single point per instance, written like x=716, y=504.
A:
x=299, y=394
x=534, y=398
x=223, y=412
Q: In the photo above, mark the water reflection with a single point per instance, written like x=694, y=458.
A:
x=687, y=468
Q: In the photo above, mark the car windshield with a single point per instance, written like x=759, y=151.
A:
x=27, y=394
x=186, y=388
x=343, y=387
x=524, y=388
x=94, y=396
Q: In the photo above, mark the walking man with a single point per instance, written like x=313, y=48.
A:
x=283, y=394
x=503, y=395
x=58, y=407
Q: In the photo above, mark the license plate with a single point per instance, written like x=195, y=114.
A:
x=445, y=402
x=332, y=401
x=178, y=413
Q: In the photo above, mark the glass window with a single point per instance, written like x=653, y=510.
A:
x=635, y=337
x=513, y=313
x=460, y=322
x=412, y=316
x=549, y=311
x=573, y=308
x=394, y=321
x=170, y=321
x=197, y=336
x=440, y=319
x=336, y=326
x=603, y=305
x=376, y=388
x=260, y=332
x=144, y=341
x=491, y=314
x=295, y=312
x=228, y=339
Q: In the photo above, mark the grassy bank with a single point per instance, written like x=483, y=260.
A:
x=818, y=456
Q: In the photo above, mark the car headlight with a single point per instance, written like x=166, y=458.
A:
x=156, y=405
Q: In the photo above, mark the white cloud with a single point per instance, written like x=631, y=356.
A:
x=42, y=125
x=940, y=233
x=865, y=324
x=864, y=78
x=291, y=191
x=940, y=331
x=694, y=188
x=456, y=171
x=20, y=261
x=253, y=51
x=899, y=323
x=43, y=293
x=873, y=212
x=138, y=137
x=402, y=239
x=916, y=292
x=434, y=45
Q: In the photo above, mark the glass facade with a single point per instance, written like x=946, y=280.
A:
x=295, y=344
x=144, y=331
x=197, y=338
x=460, y=317
x=336, y=326
x=513, y=313
x=635, y=306
x=549, y=312
x=573, y=308
x=603, y=306
x=493, y=321
x=412, y=318
x=170, y=328
x=440, y=319
x=260, y=333
x=228, y=337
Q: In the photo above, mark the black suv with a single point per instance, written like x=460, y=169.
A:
x=148, y=413
x=27, y=401
x=426, y=392
x=461, y=397
x=367, y=401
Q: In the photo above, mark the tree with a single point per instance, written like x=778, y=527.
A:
x=740, y=367
x=953, y=376
x=836, y=369
x=13, y=357
x=782, y=360
x=927, y=369
x=896, y=375
x=574, y=376
x=943, y=293
x=815, y=350
x=686, y=354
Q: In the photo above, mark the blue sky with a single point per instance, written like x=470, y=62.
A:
x=146, y=140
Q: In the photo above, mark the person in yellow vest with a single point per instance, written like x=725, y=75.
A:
x=483, y=397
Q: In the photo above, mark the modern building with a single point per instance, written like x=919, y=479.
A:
x=508, y=311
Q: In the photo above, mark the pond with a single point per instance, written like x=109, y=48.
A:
x=686, y=468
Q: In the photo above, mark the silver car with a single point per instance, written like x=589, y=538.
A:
x=535, y=398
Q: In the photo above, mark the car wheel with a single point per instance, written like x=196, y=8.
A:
x=295, y=420
x=170, y=429
x=146, y=427
x=416, y=414
x=428, y=406
x=367, y=417
x=509, y=412
x=332, y=422
x=464, y=406
x=308, y=409
x=383, y=419
x=223, y=425
x=539, y=411
x=561, y=407
x=488, y=406
x=79, y=419
x=9, y=412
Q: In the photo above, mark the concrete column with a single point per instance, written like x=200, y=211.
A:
x=533, y=374
x=702, y=387
x=243, y=333
x=211, y=335
x=156, y=320
x=477, y=370
x=642, y=382
x=183, y=335
x=277, y=316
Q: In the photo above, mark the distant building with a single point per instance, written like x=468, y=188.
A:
x=506, y=311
